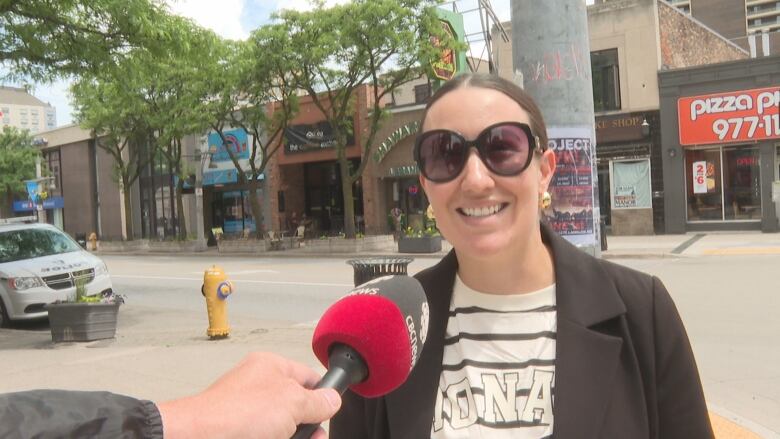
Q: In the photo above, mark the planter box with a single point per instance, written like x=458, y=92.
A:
x=425, y=244
x=82, y=321
x=242, y=246
x=378, y=243
x=191, y=246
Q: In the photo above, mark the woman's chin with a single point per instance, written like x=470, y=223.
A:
x=484, y=246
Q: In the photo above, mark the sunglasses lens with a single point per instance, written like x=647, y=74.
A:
x=505, y=149
x=442, y=155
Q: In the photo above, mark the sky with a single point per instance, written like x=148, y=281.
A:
x=235, y=19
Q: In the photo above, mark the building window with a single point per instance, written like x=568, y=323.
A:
x=723, y=184
x=606, y=80
x=421, y=93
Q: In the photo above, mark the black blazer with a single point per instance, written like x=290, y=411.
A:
x=624, y=367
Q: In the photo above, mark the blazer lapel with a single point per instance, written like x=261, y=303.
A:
x=586, y=359
x=410, y=407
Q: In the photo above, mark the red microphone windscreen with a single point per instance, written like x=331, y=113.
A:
x=386, y=322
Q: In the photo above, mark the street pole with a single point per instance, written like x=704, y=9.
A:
x=39, y=210
x=200, y=236
x=551, y=60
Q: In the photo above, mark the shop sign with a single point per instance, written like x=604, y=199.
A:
x=404, y=171
x=444, y=67
x=312, y=137
x=619, y=128
x=740, y=116
x=395, y=137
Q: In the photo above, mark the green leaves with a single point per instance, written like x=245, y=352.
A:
x=17, y=159
x=40, y=39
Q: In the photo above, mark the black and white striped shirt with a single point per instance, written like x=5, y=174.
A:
x=498, y=372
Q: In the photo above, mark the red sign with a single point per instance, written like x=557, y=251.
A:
x=444, y=67
x=730, y=117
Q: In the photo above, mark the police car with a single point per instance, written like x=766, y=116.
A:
x=40, y=264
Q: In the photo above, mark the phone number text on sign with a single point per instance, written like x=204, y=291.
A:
x=730, y=117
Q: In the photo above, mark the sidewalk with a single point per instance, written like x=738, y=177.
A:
x=619, y=247
x=164, y=354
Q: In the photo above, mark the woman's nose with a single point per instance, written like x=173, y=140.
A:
x=476, y=176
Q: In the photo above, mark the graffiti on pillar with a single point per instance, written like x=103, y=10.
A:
x=559, y=65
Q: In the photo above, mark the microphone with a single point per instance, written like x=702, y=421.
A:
x=371, y=338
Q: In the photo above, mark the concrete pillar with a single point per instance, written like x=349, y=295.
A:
x=551, y=61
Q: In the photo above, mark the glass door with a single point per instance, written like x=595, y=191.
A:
x=703, y=185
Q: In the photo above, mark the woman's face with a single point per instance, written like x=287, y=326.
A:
x=481, y=213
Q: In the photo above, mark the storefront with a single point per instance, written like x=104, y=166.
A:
x=630, y=172
x=307, y=179
x=721, y=132
x=398, y=177
x=227, y=202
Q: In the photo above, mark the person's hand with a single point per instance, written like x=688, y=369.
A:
x=264, y=396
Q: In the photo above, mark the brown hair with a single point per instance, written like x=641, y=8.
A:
x=495, y=82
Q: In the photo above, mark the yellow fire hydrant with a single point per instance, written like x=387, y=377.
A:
x=216, y=288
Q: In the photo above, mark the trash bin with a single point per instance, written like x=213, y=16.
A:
x=81, y=239
x=372, y=268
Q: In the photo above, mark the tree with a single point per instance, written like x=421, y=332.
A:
x=17, y=161
x=40, y=39
x=108, y=105
x=177, y=93
x=141, y=109
x=380, y=44
x=256, y=93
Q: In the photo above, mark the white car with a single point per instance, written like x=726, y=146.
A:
x=40, y=264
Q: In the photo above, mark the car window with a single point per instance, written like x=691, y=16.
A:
x=17, y=245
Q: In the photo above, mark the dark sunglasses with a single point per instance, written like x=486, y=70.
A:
x=506, y=148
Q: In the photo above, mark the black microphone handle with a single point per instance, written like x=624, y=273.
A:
x=345, y=367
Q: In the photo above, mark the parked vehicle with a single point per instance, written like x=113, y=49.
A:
x=40, y=264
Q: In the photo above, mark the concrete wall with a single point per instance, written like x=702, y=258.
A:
x=685, y=42
x=110, y=200
x=78, y=188
x=630, y=27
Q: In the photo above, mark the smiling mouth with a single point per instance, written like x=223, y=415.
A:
x=478, y=212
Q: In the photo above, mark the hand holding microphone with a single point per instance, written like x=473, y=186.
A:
x=371, y=339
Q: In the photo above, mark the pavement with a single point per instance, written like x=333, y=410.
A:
x=160, y=354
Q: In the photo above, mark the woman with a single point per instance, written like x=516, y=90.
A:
x=529, y=337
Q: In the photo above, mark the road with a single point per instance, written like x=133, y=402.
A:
x=729, y=304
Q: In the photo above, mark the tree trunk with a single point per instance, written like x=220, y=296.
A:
x=180, y=209
x=9, y=204
x=128, y=209
x=349, y=205
x=257, y=214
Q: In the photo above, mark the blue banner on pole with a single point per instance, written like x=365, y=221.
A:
x=32, y=189
x=29, y=206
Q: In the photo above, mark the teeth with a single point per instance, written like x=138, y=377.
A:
x=481, y=211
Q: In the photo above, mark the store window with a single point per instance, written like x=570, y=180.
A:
x=606, y=80
x=742, y=188
x=723, y=184
x=631, y=184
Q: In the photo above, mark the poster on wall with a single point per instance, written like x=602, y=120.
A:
x=572, y=187
x=631, y=184
x=700, y=177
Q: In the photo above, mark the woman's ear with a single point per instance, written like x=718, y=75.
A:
x=423, y=184
x=546, y=168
